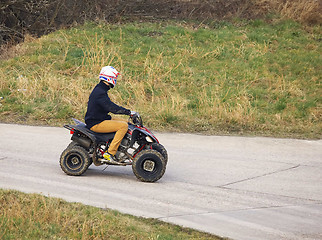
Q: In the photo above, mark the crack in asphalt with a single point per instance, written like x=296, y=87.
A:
x=262, y=175
x=238, y=210
x=272, y=194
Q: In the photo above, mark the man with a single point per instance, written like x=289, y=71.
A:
x=99, y=106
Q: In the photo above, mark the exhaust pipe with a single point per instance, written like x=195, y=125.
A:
x=84, y=142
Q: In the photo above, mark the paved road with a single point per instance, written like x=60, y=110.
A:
x=237, y=187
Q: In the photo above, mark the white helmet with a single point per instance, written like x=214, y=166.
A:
x=109, y=74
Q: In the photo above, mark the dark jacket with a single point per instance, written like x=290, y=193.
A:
x=100, y=105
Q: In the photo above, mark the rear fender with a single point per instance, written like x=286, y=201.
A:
x=82, y=130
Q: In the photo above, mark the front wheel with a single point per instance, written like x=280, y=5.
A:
x=160, y=148
x=149, y=165
x=74, y=160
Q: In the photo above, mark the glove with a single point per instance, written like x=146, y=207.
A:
x=133, y=113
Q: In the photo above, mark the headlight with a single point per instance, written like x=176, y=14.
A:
x=149, y=139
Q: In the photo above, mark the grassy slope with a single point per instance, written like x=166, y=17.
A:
x=249, y=77
x=32, y=216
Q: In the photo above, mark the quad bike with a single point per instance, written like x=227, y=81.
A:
x=139, y=148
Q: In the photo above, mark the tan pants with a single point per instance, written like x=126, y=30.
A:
x=117, y=125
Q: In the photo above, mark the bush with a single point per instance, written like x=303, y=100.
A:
x=38, y=17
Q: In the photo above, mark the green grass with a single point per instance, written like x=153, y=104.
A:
x=32, y=216
x=253, y=78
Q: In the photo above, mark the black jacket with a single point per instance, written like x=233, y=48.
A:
x=100, y=105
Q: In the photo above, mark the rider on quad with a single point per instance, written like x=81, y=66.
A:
x=99, y=106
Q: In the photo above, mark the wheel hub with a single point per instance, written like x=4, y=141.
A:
x=75, y=161
x=148, y=165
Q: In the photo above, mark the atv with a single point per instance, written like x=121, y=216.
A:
x=139, y=148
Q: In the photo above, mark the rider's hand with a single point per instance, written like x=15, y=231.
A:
x=133, y=113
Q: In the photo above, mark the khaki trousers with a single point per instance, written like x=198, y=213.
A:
x=117, y=125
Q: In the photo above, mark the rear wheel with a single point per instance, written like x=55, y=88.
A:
x=74, y=160
x=149, y=165
x=73, y=144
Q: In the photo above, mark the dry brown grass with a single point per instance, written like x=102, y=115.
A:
x=305, y=11
x=11, y=50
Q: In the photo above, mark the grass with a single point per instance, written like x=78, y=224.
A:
x=32, y=216
x=245, y=77
x=307, y=11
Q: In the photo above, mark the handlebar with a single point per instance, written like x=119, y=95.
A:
x=136, y=119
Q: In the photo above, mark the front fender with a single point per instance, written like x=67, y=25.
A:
x=137, y=132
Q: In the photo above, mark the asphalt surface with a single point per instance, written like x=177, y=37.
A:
x=236, y=187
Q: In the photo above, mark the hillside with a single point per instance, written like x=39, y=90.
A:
x=251, y=77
